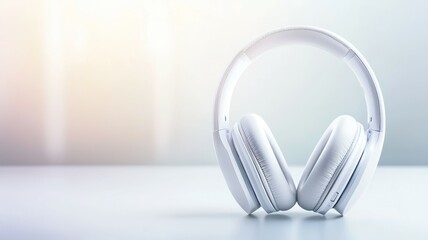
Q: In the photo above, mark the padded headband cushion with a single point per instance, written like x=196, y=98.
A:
x=270, y=160
x=325, y=159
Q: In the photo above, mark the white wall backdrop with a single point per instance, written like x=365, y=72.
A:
x=133, y=82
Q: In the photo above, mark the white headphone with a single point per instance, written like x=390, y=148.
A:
x=343, y=161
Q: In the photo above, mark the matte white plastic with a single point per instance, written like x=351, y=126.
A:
x=372, y=92
x=233, y=172
x=225, y=90
x=304, y=35
x=363, y=174
x=232, y=168
x=331, y=164
x=298, y=35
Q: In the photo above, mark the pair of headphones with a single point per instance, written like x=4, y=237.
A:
x=343, y=161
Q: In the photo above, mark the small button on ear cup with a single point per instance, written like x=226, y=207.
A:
x=337, y=142
x=264, y=164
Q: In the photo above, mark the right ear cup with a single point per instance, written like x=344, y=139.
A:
x=339, y=148
x=264, y=164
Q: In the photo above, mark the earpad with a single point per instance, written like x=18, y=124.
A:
x=329, y=153
x=264, y=164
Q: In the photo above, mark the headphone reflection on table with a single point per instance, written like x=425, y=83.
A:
x=343, y=161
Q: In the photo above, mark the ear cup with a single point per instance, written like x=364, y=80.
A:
x=327, y=159
x=264, y=164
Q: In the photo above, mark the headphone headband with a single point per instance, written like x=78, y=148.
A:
x=311, y=36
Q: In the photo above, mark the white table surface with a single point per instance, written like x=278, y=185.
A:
x=139, y=202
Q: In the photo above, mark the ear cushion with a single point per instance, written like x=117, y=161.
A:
x=328, y=154
x=264, y=163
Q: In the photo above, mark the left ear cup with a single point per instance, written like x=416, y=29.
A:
x=264, y=164
x=339, y=148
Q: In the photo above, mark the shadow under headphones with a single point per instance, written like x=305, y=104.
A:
x=343, y=161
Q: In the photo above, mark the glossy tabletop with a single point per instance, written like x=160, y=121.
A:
x=145, y=202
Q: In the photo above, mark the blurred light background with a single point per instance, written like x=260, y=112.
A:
x=133, y=82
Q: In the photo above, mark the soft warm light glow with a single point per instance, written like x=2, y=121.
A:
x=159, y=37
x=54, y=79
x=133, y=81
x=159, y=40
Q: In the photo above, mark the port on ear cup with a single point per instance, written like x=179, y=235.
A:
x=333, y=153
x=264, y=164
